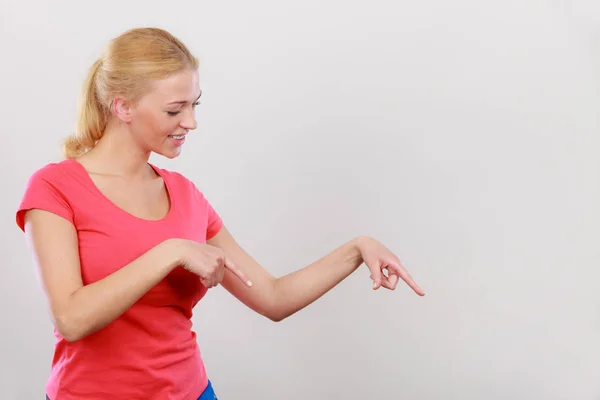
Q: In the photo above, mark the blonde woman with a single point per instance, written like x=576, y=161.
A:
x=125, y=249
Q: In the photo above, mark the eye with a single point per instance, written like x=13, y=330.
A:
x=172, y=112
x=197, y=103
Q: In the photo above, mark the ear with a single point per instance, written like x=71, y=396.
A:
x=122, y=108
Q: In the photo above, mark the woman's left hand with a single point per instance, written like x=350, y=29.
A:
x=379, y=260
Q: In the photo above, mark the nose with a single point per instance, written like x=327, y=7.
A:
x=189, y=122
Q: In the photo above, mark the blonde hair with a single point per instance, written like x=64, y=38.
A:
x=130, y=61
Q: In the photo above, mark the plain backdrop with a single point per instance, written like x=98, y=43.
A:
x=462, y=134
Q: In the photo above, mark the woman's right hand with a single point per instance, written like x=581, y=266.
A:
x=208, y=262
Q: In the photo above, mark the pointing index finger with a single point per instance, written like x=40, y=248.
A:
x=237, y=272
x=405, y=276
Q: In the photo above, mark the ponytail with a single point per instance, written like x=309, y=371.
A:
x=91, y=118
x=129, y=62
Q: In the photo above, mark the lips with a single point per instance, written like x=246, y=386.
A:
x=177, y=140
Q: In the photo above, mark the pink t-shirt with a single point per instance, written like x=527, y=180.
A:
x=151, y=350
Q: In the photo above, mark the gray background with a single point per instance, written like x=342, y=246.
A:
x=462, y=134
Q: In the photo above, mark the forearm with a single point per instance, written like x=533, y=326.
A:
x=297, y=290
x=94, y=306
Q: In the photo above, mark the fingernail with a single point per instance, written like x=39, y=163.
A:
x=374, y=285
x=249, y=283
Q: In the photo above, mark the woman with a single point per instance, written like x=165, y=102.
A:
x=125, y=249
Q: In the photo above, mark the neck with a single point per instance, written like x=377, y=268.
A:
x=116, y=153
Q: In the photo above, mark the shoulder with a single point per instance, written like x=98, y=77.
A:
x=178, y=182
x=63, y=177
x=48, y=188
x=54, y=172
x=48, y=171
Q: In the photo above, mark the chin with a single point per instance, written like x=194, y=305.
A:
x=172, y=154
x=169, y=153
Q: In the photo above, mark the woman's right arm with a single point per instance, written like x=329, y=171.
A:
x=79, y=310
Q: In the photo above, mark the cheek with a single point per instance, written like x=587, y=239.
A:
x=154, y=124
x=167, y=125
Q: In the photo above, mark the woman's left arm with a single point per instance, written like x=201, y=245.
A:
x=278, y=298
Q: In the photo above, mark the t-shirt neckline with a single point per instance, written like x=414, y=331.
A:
x=158, y=171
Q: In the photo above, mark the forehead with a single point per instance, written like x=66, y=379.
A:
x=181, y=86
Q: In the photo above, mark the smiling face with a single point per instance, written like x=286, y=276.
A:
x=160, y=120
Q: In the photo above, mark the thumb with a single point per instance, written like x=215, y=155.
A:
x=376, y=273
x=393, y=278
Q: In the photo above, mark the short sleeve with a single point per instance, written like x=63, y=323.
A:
x=215, y=222
x=42, y=192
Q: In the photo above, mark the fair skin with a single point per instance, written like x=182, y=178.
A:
x=118, y=165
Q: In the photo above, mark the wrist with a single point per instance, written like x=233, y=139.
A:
x=360, y=242
x=173, y=253
x=357, y=245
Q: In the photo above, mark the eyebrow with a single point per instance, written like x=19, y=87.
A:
x=184, y=101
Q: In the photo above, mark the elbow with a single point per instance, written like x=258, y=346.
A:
x=276, y=315
x=274, y=308
x=271, y=313
x=69, y=334
x=70, y=338
x=68, y=329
